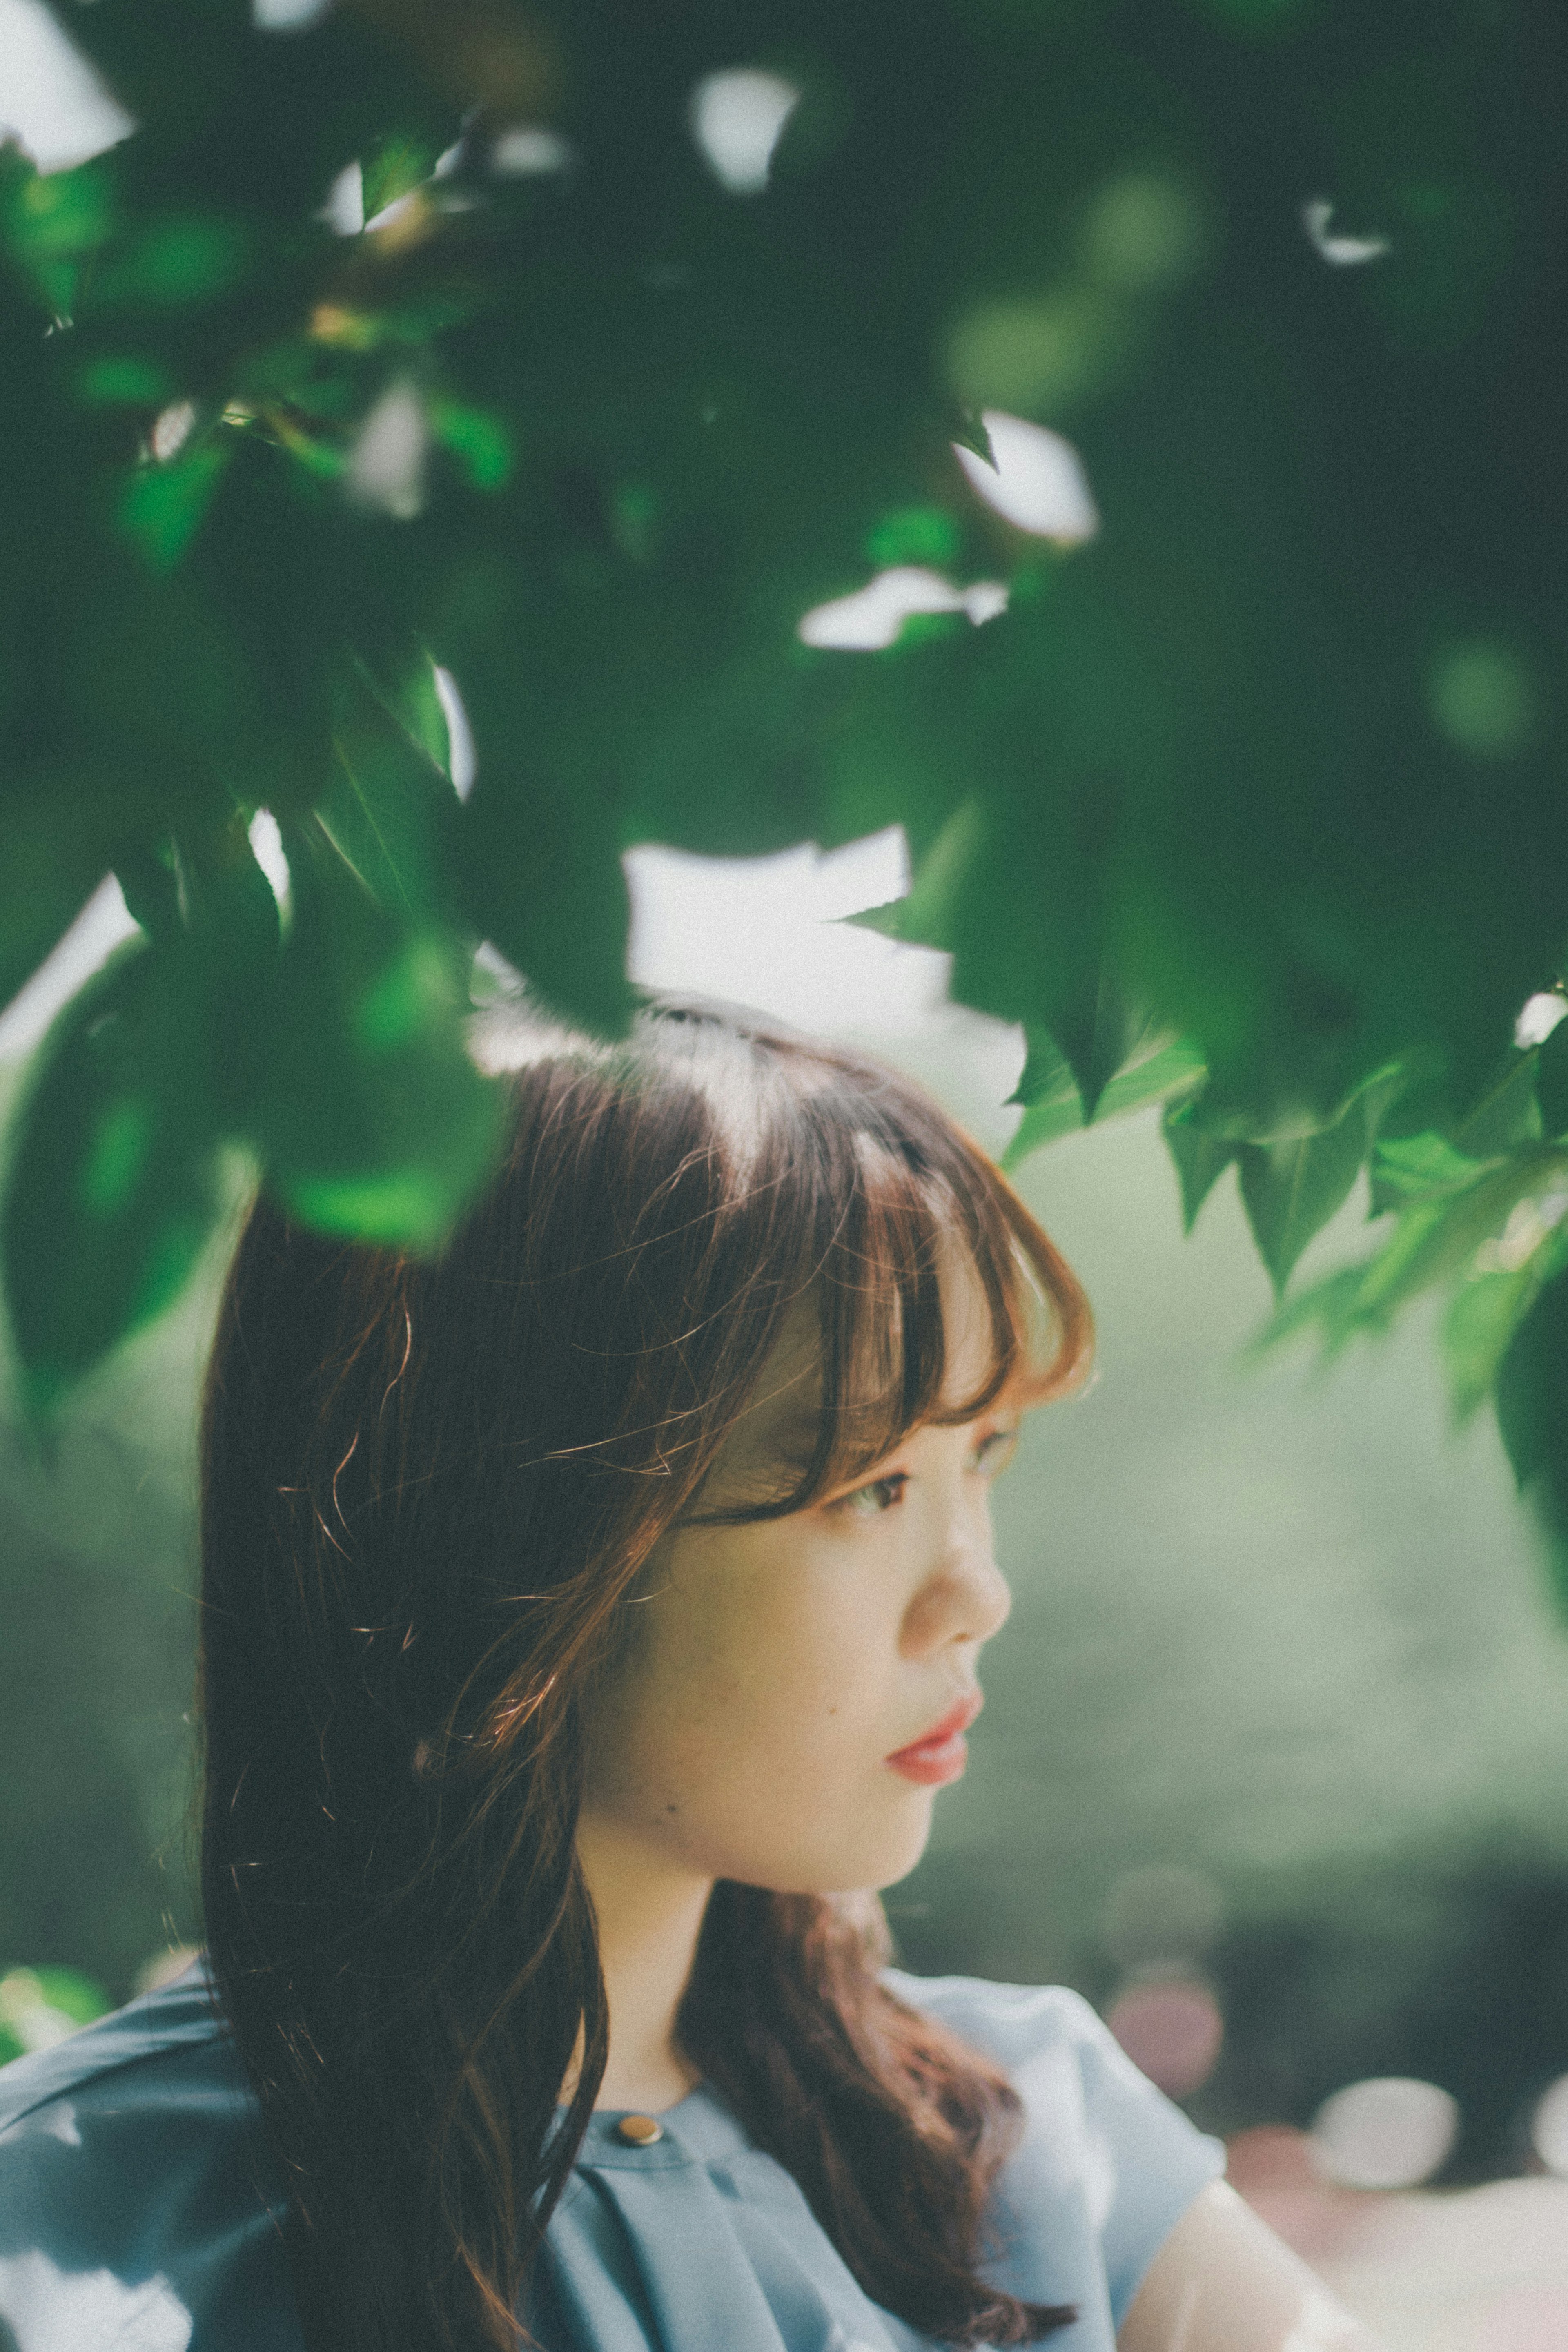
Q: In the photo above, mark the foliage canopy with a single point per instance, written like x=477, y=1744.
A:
x=1249, y=801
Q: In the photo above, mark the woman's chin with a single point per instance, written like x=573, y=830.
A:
x=894, y=1854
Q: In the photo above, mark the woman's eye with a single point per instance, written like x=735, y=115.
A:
x=881, y=1495
x=994, y=1452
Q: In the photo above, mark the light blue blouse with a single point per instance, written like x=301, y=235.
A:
x=138, y=2204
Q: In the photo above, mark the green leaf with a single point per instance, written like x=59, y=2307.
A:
x=1162, y=1071
x=541, y=878
x=125, y=381
x=370, y=1119
x=1506, y=1113
x=393, y=166
x=1331, y=1309
x=162, y=506
x=1292, y=1186
x=57, y=844
x=1532, y=1398
x=1101, y=1032
x=1420, y=1168
x=1477, y=1330
x=1291, y=1190
x=112, y=1187
x=888, y=921
x=417, y=709
x=536, y=866
x=1045, y=1077
x=1532, y=1390
x=1052, y=1104
x=54, y=222
x=477, y=437
x=1552, y=1081
x=1467, y=1236
x=1201, y=1159
x=391, y=812
x=1159, y=1067
x=925, y=916
x=970, y=432
x=919, y=535
x=169, y=263
x=148, y=873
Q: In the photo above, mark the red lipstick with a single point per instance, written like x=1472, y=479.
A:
x=941, y=1753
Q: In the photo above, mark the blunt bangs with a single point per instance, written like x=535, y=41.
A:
x=865, y=1197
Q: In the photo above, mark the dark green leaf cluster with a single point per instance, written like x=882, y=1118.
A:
x=1248, y=801
x=1479, y=1219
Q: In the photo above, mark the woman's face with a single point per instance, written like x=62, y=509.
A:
x=771, y=1719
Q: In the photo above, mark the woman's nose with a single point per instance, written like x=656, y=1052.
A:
x=965, y=1599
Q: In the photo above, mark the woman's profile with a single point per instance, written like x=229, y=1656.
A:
x=589, y=1618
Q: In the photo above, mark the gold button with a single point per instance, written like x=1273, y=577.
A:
x=641, y=2130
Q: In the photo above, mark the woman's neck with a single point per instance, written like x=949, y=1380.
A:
x=649, y=1915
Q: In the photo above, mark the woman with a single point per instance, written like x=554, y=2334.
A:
x=582, y=1614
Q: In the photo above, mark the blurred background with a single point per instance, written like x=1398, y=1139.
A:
x=1275, y=1763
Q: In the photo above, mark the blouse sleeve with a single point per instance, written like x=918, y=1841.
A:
x=1106, y=2167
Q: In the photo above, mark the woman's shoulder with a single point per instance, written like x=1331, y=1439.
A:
x=1011, y=2023
x=1106, y=2165
x=134, y=2186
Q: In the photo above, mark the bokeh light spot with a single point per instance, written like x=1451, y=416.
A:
x=1391, y=2132
x=1038, y=351
x=344, y=210
x=267, y=848
x=171, y=429
x=1343, y=252
x=1172, y=2029
x=1549, y=2127
x=386, y=468
x=1482, y=698
x=737, y=117
x=287, y=16
x=527, y=151
x=1538, y=1016
x=27, y=2017
x=1143, y=230
x=1037, y=483
x=874, y=617
x=53, y=100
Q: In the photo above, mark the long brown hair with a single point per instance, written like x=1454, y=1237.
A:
x=428, y=1487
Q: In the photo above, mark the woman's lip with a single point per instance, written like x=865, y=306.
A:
x=941, y=1753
